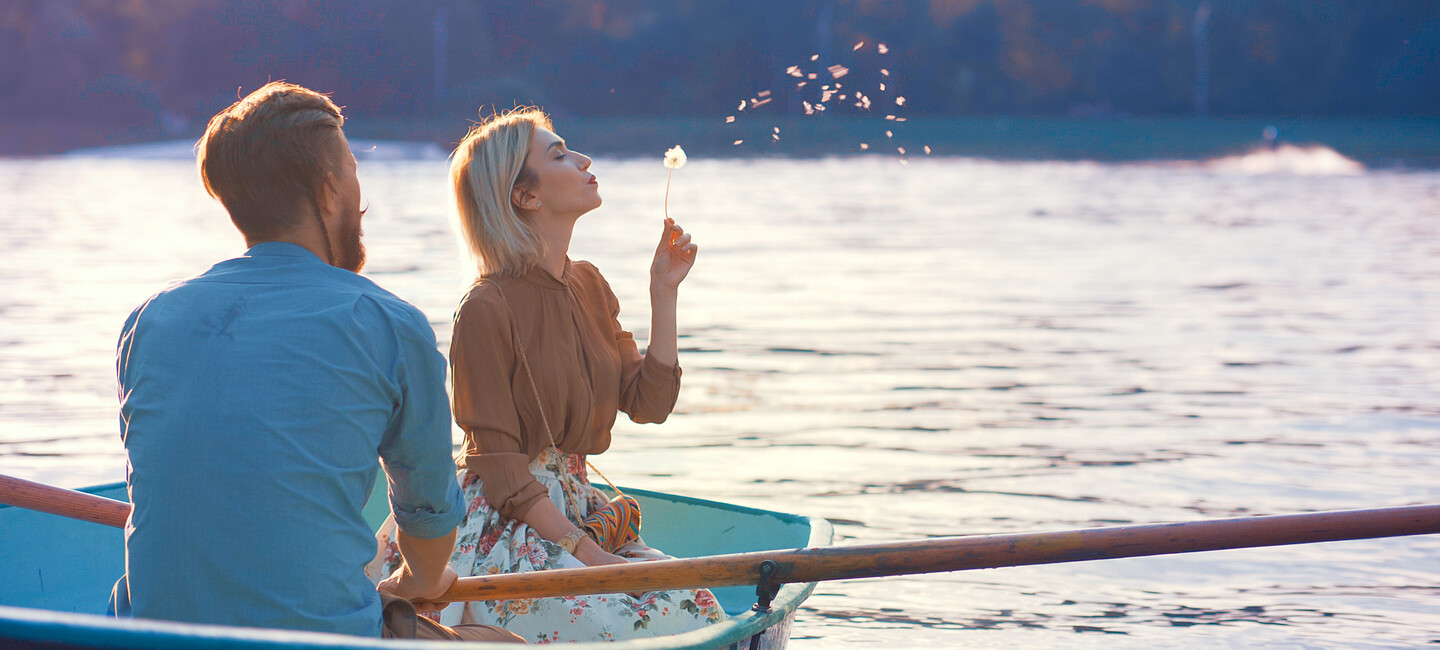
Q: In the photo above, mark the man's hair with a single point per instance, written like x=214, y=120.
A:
x=488, y=164
x=268, y=154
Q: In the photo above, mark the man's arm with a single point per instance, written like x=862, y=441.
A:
x=425, y=571
x=416, y=456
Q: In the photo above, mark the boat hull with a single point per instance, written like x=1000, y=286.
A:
x=56, y=576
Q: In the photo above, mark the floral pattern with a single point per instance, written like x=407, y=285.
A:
x=488, y=544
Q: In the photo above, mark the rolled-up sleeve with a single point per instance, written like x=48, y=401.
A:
x=648, y=388
x=416, y=452
x=483, y=362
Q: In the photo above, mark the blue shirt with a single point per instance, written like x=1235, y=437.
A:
x=254, y=402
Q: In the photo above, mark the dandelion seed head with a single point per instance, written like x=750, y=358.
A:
x=737, y=142
x=675, y=157
x=882, y=87
x=927, y=149
x=889, y=134
x=901, y=150
x=811, y=76
x=814, y=57
x=729, y=119
x=899, y=101
x=884, y=72
x=864, y=146
x=881, y=48
x=763, y=93
x=858, y=46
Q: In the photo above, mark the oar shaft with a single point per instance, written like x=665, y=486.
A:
x=956, y=553
x=60, y=501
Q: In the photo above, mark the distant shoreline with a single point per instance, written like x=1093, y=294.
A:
x=1375, y=141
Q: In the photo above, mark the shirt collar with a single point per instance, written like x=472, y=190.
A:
x=281, y=249
x=542, y=278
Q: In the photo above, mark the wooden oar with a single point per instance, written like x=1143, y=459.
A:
x=60, y=501
x=955, y=554
x=861, y=561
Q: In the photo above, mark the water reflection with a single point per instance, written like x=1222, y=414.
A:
x=952, y=347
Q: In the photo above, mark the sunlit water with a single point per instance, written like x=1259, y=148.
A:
x=949, y=347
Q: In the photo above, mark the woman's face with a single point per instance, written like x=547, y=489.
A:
x=561, y=184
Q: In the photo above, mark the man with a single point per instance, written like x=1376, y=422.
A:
x=256, y=397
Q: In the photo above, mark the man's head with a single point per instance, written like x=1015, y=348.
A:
x=279, y=163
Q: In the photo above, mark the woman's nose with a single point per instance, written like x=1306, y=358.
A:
x=584, y=161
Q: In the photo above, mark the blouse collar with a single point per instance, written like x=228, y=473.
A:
x=542, y=278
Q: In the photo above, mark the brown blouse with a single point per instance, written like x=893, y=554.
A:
x=586, y=368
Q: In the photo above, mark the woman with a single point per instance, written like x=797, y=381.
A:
x=540, y=367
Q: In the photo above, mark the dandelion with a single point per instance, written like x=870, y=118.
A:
x=674, y=159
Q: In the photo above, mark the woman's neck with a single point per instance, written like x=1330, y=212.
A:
x=556, y=232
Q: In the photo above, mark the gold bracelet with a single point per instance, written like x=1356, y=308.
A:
x=569, y=542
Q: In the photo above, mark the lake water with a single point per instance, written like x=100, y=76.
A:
x=948, y=347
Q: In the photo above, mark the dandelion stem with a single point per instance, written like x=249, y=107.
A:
x=668, y=174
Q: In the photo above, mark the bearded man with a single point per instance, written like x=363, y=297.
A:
x=259, y=399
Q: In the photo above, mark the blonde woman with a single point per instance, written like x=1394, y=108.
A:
x=541, y=367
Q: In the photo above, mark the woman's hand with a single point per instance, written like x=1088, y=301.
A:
x=405, y=584
x=673, y=258
x=592, y=555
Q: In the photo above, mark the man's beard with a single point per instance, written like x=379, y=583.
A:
x=352, y=250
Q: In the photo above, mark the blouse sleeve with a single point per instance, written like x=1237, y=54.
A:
x=648, y=388
x=482, y=359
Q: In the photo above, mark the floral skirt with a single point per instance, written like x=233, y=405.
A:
x=487, y=544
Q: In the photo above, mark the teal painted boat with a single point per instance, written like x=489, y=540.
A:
x=56, y=574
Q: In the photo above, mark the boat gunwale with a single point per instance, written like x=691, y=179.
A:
x=100, y=631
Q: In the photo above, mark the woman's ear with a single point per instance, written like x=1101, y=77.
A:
x=523, y=199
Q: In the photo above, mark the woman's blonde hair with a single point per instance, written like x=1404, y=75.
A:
x=485, y=168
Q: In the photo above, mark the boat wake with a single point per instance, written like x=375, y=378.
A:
x=1311, y=160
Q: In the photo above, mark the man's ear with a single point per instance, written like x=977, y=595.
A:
x=523, y=199
x=327, y=196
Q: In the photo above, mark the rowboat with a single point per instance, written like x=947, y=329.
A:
x=58, y=569
x=56, y=574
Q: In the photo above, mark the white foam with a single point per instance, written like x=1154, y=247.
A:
x=1313, y=160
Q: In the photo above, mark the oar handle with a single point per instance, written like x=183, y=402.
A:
x=955, y=554
x=60, y=501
